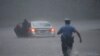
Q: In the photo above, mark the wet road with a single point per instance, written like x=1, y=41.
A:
x=10, y=45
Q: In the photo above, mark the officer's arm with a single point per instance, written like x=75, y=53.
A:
x=79, y=35
x=60, y=31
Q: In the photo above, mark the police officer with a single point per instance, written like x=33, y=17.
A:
x=67, y=38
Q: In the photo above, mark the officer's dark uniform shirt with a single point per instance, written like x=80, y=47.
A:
x=66, y=37
x=66, y=30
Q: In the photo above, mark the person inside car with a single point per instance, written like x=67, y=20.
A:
x=25, y=25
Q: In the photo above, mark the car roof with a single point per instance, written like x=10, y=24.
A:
x=39, y=22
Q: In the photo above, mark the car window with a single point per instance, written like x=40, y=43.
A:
x=41, y=24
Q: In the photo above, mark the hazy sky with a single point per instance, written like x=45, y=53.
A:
x=17, y=10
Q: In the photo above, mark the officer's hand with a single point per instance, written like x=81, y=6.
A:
x=80, y=41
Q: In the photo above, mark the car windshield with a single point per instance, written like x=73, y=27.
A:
x=41, y=24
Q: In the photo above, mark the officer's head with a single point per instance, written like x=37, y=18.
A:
x=67, y=21
x=25, y=20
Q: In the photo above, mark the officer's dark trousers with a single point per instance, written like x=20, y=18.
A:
x=66, y=44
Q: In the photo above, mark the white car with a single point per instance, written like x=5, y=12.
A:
x=41, y=28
